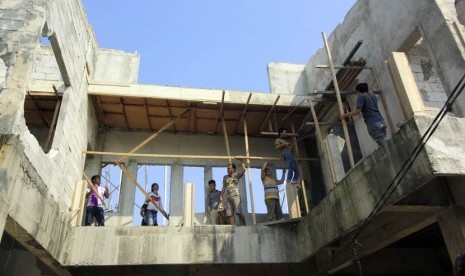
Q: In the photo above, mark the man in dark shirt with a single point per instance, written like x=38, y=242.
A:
x=367, y=104
x=213, y=202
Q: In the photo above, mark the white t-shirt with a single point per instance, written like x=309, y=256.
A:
x=94, y=198
x=157, y=200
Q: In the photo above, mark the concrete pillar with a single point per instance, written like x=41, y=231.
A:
x=405, y=84
x=335, y=155
x=124, y=215
x=189, y=217
x=292, y=201
x=78, y=207
x=176, y=188
x=452, y=224
x=243, y=195
x=208, y=175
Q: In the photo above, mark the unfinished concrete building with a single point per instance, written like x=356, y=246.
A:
x=71, y=108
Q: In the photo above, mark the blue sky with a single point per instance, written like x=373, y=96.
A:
x=213, y=43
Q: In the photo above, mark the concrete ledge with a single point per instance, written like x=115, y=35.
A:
x=97, y=246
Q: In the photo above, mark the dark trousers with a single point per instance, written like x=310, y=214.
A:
x=97, y=212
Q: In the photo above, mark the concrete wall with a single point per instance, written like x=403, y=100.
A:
x=115, y=66
x=287, y=78
x=38, y=187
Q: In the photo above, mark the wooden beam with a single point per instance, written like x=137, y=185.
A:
x=226, y=140
x=51, y=131
x=121, y=101
x=339, y=101
x=39, y=110
x=267, y=117
x=241, y=118
x=413, y=208
x=220, y=112
x=292, y=111
x=171, y=114
x=148, y=116
x=103, y=112
x=267, y=133
x=224, y=157
x=249, y=173
x=328, y=123
x=320, y=66
x=153, y=136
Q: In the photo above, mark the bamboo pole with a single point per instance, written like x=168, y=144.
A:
x=223, y=157
x=91, y=185
x=319, y=138
x=51, y=131
x=249, y=173
x=302, y=182
x=339, y=102
x=226, y=140
x=153, y=136
x=133, y=179
x=383, y=101
x=82, y=200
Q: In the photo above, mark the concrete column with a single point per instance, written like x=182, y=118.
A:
x=124, y=215
x=292, y=201
x=243, y=194
x=189, y=218
x=208, y=175
x=405, y=84
x=452, y=224
x=335, y=155
x=176, y=188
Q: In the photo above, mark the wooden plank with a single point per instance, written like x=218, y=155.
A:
x=267, y=117
x=226, y=140
x=302, y=182
x=339, y=101
x=51, y=131
x=241, y=119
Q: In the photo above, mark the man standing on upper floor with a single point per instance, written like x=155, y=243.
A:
x=282, y=144
x=270, y=184
x=231, y=186
x=213, y=202
x=367, y=104
x=95, y=205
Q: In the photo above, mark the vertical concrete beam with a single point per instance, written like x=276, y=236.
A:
x=124, y=215
x=189, y=204
x=176, y=188
x=208, y=175
x=452, y=224
x=405, y=84
x=292, y=201
x=335, y=155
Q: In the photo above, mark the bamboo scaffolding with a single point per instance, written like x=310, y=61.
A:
x=248, y=171
x=133, y=179
x=226, y=140
x=223, y=157
x=153, y=136
x=339, y=101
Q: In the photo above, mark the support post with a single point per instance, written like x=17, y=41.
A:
x=339, y=102
x=226, y=141
x=384, y=103
x=189, y=204
x=249, y=173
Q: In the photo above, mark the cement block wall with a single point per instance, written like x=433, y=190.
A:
x=40, y=186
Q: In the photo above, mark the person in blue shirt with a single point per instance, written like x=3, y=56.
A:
x=367, y=104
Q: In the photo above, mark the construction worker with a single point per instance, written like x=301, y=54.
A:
x=95, y=205
x=282, y=144
x=270, y=184
x=213, y=202
x=367, y=104
x=233, y=198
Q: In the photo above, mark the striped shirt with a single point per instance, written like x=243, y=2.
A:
x=271, y=188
